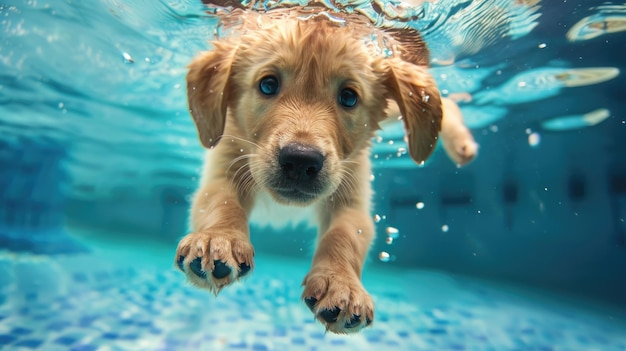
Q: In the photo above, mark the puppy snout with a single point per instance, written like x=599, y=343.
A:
x=300, y=162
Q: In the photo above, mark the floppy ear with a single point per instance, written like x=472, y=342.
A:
x=417, y=95
x=207, y=92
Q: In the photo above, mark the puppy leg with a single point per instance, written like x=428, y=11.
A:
x=332, y=288
x=218, y=252
x=456, y=137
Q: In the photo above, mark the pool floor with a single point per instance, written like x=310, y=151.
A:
x=128, y=296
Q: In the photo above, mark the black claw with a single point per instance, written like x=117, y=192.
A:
x=179, y=262
x=330, y=316
x=244, y=268
x=221, y=270
x=310, y=302
x=353, y=322
x=367, y=321
x=196, y=267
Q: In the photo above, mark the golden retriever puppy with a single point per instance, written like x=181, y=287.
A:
x=287, y=105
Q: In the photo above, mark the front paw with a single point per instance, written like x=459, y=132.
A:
x=215, y=259
x=338, y=300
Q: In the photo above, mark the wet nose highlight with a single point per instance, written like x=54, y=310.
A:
x=300, y=162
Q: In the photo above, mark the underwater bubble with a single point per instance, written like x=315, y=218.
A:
x=401, y=151
x=389, y=240
x=425, y=98
x=419, y=205
x=493, y=128
x=392, y=232
x=359, y=231
x=410, y=93
x=529, y=131
x=372, y=177
x=542, y=45
x=384, y=256
x=61, y=105
x=127, y=58
x=534, y=139
x=376, y=218
x=445, y=228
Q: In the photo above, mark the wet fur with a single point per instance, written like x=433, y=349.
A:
x=245, y=131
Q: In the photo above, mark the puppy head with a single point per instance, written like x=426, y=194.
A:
x=309, y=96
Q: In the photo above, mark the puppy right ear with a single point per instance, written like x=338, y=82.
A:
x=207, y=92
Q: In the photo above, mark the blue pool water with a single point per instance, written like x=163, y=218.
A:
x=523, y=249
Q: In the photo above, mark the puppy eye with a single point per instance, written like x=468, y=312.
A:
x=269, y=85
x=348, y=97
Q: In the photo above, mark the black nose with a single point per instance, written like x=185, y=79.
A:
x=300, y=162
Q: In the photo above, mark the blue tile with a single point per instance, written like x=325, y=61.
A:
x=31, y=296
x=239, y=345
x=280, y=331
x=80, y=277
x=373, y=338
x=317, y=335
x=127, y=321
x=403, y=334
x=6, y=339
x=29, y=343
x=110, y=336
x=298, y=341
x=84, y=347
x=261, y=333
x=21, y=331
x=437, y=331
x=86, y=321
x=144, y=324
x=65, y=340
x=155, y=330
x=338, y=342
x=259, y=347
x=58, y=325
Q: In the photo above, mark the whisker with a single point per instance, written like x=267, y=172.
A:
x=237, y=159
x=241, y=139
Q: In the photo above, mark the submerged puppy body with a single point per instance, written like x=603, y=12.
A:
x=288, y=107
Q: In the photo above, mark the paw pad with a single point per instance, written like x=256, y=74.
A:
x=353, y=322
x=196, y=268
x=244, y=269
x=310, y=302
x=221, y=270
x=330, y=316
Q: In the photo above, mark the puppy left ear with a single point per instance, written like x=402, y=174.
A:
x=207, y=92
x=417, y=95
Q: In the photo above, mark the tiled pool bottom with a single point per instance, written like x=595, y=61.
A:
x=116, y=300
